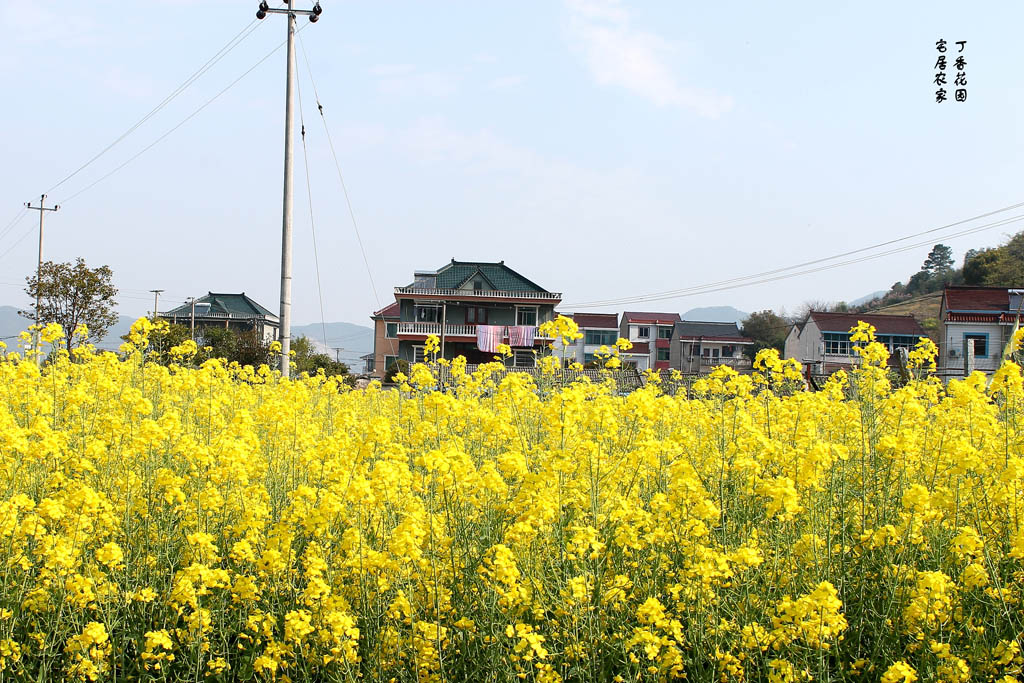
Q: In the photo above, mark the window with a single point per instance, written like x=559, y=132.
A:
x=428, y=313
x=663, y=354
x=476, y=315
x=418, y=356
x=706, y=352
x=728, y=351
x=390, y=330
x=980, y=342
x=389, y=361
x=526, y=315
x=837, y=344
x=478, y=285
x=643, y=332
x=598, y=337
x=664, y=332
x=588, y=358
x=523, y=359
x=694, y=349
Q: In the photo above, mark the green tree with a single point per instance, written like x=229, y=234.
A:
x=308, y=359
x=768, y=330
x=398, y=365
x=939, y=261
x=73, y=295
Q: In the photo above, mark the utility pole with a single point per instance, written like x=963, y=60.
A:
x=337, y=353
x=42, y=209
x=192, y=319
x=156, y=300
x=289, y=137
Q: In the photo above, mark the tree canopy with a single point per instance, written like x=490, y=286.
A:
x=73, y=295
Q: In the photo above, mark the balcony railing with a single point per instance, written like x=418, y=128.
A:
x=449, y=330
x=480, y=293
x=435, y=328
x=736, y=361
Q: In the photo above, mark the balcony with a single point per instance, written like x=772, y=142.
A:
x=478, y=294
x=424, y=329
x=435, y=328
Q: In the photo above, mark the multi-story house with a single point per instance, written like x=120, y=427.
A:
x=598, y=329
x=699, y=346
x=654, y=330
x=385, y=341
x=822, y=341
x=231, y=311
x=977, y=323
x=472, y=306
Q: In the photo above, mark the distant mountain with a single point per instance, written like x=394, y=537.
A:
x=868, y=298
x=355, y=340
x=716, y=314
x=12, y=324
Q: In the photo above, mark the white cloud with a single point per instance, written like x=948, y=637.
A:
x=408, y=80
x=619, y=55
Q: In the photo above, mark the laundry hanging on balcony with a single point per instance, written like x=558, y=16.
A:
x=489, y=336
x=521, y=335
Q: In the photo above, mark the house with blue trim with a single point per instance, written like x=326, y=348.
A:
x=822, y=341
x=977, y=323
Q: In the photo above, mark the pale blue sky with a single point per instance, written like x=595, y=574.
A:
x=602, y=149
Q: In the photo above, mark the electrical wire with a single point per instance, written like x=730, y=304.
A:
x=18, y=217
x=309, y=196
x=341, y=178
x=763, y=277
x=179, y=125
x=210, y=63
x=13, y=224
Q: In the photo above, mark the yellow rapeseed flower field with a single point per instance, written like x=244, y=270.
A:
x=175, y=523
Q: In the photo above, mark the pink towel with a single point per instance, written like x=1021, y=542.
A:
x=488, y=337
x=521, y=335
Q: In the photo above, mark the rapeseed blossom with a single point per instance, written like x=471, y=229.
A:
x=221, y=523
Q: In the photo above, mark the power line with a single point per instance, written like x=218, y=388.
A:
x=762, y=277
x=179, y=125
x=210, y=63
x=309, y=196
x=341, y=178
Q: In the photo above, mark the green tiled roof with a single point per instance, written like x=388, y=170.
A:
x=222, y=304
x=500, y=276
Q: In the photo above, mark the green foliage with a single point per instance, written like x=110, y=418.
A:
x=997, y=267
x=397, y=366
x=939, y=261
x=73, y=295
x=307, y=359
x=768, y=330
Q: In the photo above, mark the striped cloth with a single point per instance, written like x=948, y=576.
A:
x=521, y=335
x=489, y=336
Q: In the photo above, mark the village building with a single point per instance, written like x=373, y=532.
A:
x=822, y=341
x=651, y=334
x=699, y=347
x=472, y=307
x=236, y=312
x=977, y=323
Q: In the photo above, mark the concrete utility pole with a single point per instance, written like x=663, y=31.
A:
x=42, y=209
x=289, y=137
x=156, y=301
x=192, y=320
x=337, y=353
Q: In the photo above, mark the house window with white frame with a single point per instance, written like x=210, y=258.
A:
x=643, y=332
x=390, y=330
x=418, y=354
x=389, y=361
x=526, y=315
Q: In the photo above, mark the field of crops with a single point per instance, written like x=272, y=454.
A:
x=218, y=523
